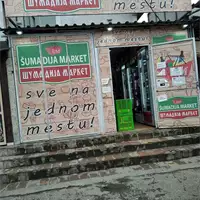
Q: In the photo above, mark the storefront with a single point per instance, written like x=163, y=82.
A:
x=158, y=71
x=68, y=79
x=67, y=84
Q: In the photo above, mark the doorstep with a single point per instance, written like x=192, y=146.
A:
x=91, y=140
x=21, y=168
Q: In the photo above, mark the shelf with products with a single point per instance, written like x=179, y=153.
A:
x=136, y=90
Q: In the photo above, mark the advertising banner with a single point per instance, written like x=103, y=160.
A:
x=82, y=7
x=176, y=84
x=57, y=89
x=61, y=61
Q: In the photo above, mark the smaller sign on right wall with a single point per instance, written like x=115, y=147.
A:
x=178, y=107
x=169, y=38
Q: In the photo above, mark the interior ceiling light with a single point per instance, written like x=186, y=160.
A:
x=19, y=32
x=185, y=25
x=109, y=28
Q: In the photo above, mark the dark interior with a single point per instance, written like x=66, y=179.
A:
x=130, y=75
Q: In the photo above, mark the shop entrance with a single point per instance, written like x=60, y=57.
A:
x=131, y=82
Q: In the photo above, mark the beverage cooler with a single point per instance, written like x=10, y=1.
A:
x=144, y=112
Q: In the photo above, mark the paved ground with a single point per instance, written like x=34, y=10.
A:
x=178, y=180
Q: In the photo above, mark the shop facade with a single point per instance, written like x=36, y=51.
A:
x=64, y=82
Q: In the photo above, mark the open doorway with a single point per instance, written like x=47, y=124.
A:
x=131, y=81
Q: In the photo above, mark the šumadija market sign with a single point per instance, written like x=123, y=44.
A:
x=61, y=5
x=84, y=7
x=57, y=62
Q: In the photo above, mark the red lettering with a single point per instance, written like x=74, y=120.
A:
x=180, y=114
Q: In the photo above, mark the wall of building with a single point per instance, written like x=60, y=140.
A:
x=66, y=103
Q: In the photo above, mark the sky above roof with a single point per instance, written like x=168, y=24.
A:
x=194, y=1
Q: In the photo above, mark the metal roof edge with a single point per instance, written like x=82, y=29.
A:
x=92, y=26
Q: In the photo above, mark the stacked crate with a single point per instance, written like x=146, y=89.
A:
x=124, y=114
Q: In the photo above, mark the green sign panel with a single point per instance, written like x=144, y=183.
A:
x=169, y=38
x=179, y=107
x=53, y=61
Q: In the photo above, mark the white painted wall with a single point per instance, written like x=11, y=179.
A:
x=97, y=19
x=164, y=16
x=71, y=20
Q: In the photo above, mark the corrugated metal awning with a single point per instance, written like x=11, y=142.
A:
x=75, y=27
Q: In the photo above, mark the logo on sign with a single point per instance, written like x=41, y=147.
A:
x=60, y=5
x=177, y=101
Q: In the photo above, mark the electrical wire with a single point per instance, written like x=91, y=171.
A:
x=153, y=11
